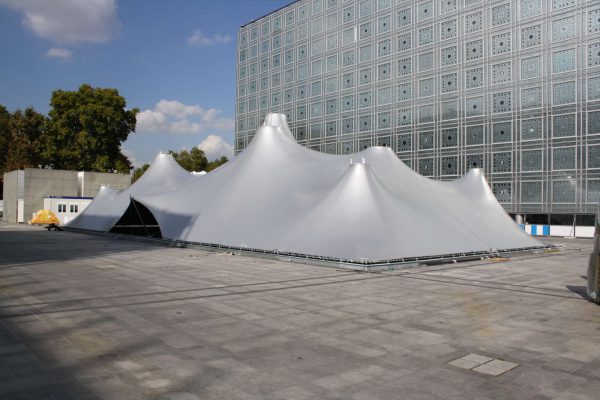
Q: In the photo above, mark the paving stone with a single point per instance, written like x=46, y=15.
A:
x=181, y=322
x=155, y=383
x=178, y=396
x=477, y=358
x=129, y=365
x=470, y=361
x=294, y=393
x=495, y=367
x=464, y=364
x=566, y=364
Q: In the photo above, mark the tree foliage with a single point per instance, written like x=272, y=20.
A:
x=27, y=130
x=21, y=135
x=138, y=172
x=216, y=163
x=86, y=129
x=84, y=132
x=4, y=137
x=193, y=160
x=4, y=141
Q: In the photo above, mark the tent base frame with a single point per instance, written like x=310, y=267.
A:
x=332, y=262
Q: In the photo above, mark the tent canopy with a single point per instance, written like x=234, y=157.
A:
x=279, y=195
x=109, y=205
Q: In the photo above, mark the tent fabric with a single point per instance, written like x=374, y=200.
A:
x=280, y=196
x=109, y=205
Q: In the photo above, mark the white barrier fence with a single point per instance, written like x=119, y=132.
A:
x=559, y=230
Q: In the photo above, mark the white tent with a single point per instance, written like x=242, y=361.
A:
x=279, y=196
x=164, y=174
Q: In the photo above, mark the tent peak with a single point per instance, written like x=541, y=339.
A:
x=378, y=150
x=474, y=175
x=275, y=120
x=361, y=161
x=358, y=171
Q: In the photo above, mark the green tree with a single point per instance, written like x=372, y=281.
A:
x=4, y=141
x=193, y=160
x=86, y=129
x=27, y=129
x=216, y=163
x=138, y=172
x=20, y=140
x=4, y=138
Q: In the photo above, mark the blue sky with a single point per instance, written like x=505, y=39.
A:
x=174, y=60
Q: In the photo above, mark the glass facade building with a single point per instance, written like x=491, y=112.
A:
x=512, y=87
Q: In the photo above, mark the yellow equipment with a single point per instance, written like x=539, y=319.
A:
x=44, y=217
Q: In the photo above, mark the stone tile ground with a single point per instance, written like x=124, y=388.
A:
x=91, y=317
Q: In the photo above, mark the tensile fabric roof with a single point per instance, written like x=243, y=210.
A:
x=280, y=196
x=164, y=174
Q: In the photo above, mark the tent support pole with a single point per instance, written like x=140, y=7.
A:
x=139, y=215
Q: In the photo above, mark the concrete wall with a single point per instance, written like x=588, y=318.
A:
x=10, y=196
x=40, y=183
x=33, y=184
x=92, y=181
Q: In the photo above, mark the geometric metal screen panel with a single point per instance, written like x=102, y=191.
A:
x=513, y=87
x=563, y=191
x=531, y=192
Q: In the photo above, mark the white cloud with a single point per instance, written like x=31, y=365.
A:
x=215, y=146
x=177, y=109
x=131, y=156
x=59, y=52
x=174, y=117
x=69, y=21
x=200, y=39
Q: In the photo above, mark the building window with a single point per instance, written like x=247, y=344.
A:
x=62, y=208
x=458, y=83
x=74, y=208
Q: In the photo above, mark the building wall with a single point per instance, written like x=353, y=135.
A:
x=31, y=185
x=40, y=183
x=71, y=207
x=92, y=181
x=512, y=87
x=10, y=196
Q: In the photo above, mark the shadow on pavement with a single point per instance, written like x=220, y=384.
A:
x=43, y=245
x=580, y=290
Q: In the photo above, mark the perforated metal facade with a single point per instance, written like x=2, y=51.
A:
x=512, y=87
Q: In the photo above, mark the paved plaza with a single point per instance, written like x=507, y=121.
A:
x=95, y=317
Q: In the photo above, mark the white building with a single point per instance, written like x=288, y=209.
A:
x=66, y=207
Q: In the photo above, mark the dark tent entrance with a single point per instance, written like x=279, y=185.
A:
x=137, y=221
